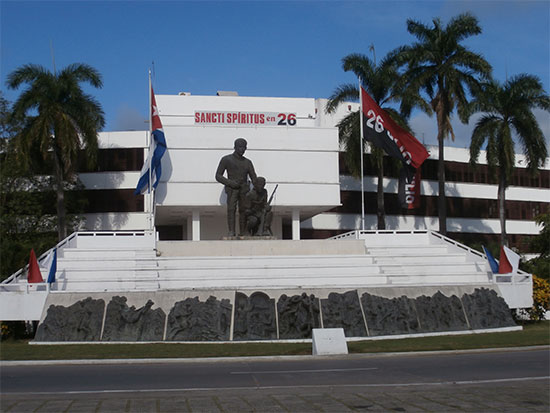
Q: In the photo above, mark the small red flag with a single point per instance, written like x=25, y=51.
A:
x=34, y=276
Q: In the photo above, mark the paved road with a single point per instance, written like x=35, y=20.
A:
x=498, y=381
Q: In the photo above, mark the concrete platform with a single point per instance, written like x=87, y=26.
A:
x=243, y=248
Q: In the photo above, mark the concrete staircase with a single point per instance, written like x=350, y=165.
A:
x=129, y=262
x=400, y=259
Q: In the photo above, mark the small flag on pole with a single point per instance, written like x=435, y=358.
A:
x=34, y=275
x=492, y=262
x=50, y=265
x=156, y=151
x=508, y=262
x=380, y=129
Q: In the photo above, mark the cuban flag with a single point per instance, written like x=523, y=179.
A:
x=156, y=151
x=509, y=261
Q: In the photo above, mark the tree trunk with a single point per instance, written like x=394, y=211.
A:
x=380, y=193
x=502, y=208
x=60, y=193
x=441, y=201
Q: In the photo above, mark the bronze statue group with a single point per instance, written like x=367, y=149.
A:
x=254, y=208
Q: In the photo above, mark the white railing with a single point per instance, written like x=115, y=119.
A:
x=519, y=277
x=457, y=244
x=87, y=239
x=357, y=233
x=67, y=242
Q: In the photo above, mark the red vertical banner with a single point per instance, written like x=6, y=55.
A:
x=409, y=189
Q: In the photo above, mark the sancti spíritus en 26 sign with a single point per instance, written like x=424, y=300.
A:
x=245, y=118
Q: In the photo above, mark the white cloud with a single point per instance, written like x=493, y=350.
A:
x=129, y=118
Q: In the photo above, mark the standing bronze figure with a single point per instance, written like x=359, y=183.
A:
x=239, y=170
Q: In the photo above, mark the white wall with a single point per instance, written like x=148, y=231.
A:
x=303, y=161
x=330, y=221
x=179, y=110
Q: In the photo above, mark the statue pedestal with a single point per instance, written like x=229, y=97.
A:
x=250, y=238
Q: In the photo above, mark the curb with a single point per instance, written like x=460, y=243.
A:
x=11, y=363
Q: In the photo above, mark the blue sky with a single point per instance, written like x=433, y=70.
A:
x=258, y=48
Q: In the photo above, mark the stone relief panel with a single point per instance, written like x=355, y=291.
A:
x=485, y=309
x=254, y=317
x=79, y=322
x=344, y=311
x=194, y=320
x=123, y=323
x=298, y=315
x=389, y=316
x=440, y=313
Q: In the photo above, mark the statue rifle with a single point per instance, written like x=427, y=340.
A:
x=264, y=213
x=272, y=194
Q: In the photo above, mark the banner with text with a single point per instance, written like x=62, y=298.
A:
x=409, y=189
x=245, y=118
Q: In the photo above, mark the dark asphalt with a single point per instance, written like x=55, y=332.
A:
x=497, y=380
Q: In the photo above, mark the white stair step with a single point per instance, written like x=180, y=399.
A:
x=430, y=269
x=421, y=259
x=107, y=253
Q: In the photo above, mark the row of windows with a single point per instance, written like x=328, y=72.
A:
x=456, y=207
x=131, y=159
x=113, y=200
x=124, y=200
x=454, y=172
x=114, y=160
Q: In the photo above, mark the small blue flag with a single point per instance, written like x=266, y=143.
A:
x=53, y=267
x=492, y=262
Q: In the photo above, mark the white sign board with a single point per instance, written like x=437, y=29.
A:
x=329, y=341
x=237, y=118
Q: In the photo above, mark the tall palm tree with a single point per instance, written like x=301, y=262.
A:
x=508, y=112
x=60, y=120
x=379, y=81
x=438, y=68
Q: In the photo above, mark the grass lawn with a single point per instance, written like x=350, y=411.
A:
x=532, y=334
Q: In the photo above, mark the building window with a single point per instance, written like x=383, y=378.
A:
x=114, y=160
x=113, y=200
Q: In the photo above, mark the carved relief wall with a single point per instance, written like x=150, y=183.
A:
x=259, y=316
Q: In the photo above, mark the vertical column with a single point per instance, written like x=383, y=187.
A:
x=295, y=224
x=196, y=229
x=189, y=228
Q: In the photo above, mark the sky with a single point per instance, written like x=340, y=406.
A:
x=257, y=48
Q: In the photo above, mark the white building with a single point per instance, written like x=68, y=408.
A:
x=294, y=144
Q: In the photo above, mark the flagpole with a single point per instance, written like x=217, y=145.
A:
x=361, y=152
x=151, y=193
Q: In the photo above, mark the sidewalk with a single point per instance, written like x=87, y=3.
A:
x=528, y=396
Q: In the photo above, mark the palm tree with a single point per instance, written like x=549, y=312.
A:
x=438, y=68
x=59, y=119
x=379, y=81
x=508, y=112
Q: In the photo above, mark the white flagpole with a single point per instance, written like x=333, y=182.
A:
x=361, y=151
x=151, y=193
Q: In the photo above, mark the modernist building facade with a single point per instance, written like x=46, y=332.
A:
x=294, y=144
